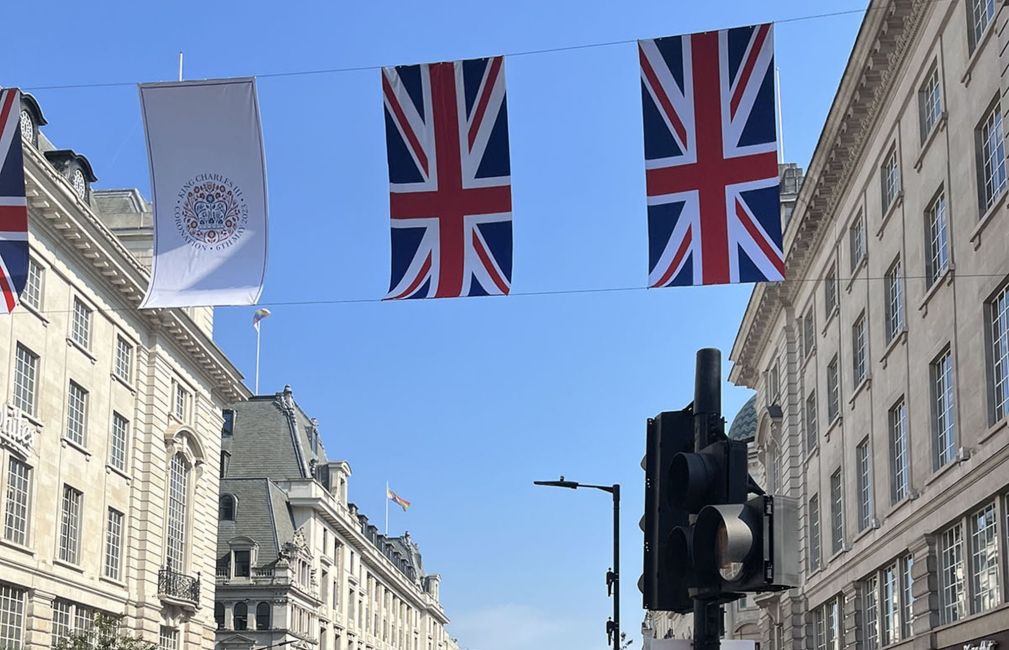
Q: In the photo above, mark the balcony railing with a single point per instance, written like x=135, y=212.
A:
x=179, y=586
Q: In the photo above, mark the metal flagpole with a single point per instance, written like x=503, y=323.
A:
x=387, y=508
x=257, y=357
x=180, y=65
x=781, y=134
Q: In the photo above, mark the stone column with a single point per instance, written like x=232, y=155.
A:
x=38, y=619
x=851, y=617
x=925, y=591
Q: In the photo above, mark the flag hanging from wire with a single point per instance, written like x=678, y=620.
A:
x=13, y=207
x=710, y=158
x=449, y=179
x=259, y=315
x=398, y=500
x=208, y=179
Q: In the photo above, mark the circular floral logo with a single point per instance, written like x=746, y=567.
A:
x=210, y=212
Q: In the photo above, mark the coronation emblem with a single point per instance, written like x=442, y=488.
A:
x=210, y=212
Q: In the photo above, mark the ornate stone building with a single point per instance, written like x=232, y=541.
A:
x=110, y=422
x=887, y=350
x=298, y=564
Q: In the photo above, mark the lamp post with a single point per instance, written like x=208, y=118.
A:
x=612, y=576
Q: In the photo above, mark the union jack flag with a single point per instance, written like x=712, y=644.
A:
x=710, y=158
x=446, y=127
x=13, y=208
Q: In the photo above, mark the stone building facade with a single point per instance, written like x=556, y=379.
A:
x=110, y=420
x=887, y=350
x=298, y=564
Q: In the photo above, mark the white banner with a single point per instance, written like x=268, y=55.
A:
x=687, y=644
x=208, y=180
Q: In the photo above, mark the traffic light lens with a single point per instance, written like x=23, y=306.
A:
x=728, y=567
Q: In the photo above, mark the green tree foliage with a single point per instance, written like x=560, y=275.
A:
x=105, y=634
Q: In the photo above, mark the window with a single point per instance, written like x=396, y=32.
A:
x=77, y=414
x=856, y=240
x=32, y=294
x=70, y=618
x=219, y=615
x=80, y=327
x=119, y=442
x=833, y=391
x=943, y=427
x=182, y=403
x=864, y=460
x=890, y=179
x=992, y=158
x=810, y=422
x=894, y=300
x=980, y=14
x=241, y=616
x=952, y=603
x=263, y=616
x=227, y=508
x=228, y=427
x=830, y=290
x=836, y=513
x=773, y=384
x=225, y=463
x=907, y=595
x=168, y=639
x=808, y=333
x=827, y=625
x=18, y=502
x=243, y=564
x=984, y=562
x=998, y=317
x=890, y=621
x=12, y=611
x=937, y=235
x=26, y=371
x=870, y=595
x=113, y=544
x=900, y=484
x=70, y=526
x=858, y=350
x=930, y=102
x=124, y=359
x=178, y=500
x=814, y=533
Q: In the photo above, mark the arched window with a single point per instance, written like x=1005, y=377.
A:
x=241, y=616
x=263, y=616
x=219, y=615
x=227, y=508
x=178, y=513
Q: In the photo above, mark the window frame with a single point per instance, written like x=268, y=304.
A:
x=119, y=442
x=836, y=512
x=81, y=321
x=889, y=173
x=21, y=393
x=809, y=421
x=930, y=104
x=112, y=563
x=857, y=242
x=15, y=511
x=997, y=174
x=979, y=24
x=996, y=313
x=833, y=390
x=894, y=295
x=943, y=409
x=33, y=295
x=900, y=454
x=831, y=291
x=859, y=350
x=71, y=524
x=125, y=374
x=866, y=510
x=814, y=553
x=938, y=255
x=76, y=429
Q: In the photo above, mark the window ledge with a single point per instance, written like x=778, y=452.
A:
x=809, y=456
x=945, y=278
x=17, y=547
x=873, y=525
x=855, y=271
x=862, y=385
x=74, y=344
x=68, y=565
x=975, y=56
x=115, y=470
x=32, y=419
x=829, y=319
x=838, y=553
x=900, y=504
x=940, y=125
x=67, y=442
x=834, y=424
x=993, y=429
x=899, y=338
x=125, y=383
x=946, y=468
x=118, y=583
x=987, y=218
x=38, y=314
x=897, y=201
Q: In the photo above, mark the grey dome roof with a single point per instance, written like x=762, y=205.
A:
x=744, y=425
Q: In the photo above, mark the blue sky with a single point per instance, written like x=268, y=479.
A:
x=459, y=404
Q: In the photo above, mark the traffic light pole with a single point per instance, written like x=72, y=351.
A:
x=616, y=566
x=708, y=620
x=708, y=427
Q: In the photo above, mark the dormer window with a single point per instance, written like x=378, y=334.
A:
x=79, y=184
x=76, y=169
x=227, y=507
x=30, y=119
x=27, y=127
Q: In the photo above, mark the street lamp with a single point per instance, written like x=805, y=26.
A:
x=612, y=576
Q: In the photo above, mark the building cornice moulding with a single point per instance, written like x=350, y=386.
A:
x=880, y=49
x=67, y=217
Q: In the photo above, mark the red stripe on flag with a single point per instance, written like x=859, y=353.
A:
x=390, y=95
x=488, y=264
x=7, y=289
x=8, y=96
x=751, y=61
x=13, y=218
x=675, y=264
x=492, y=74
x=757, y=236
x=667, y=105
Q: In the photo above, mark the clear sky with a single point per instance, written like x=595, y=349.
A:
x=459, y=404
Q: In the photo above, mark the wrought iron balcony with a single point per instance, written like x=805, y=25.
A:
x=178, y=586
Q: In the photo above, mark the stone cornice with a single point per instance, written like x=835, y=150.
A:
x=882, y=44
x=64, y=214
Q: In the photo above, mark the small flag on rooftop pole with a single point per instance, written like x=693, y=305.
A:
x=259, y=315
x=398, y=500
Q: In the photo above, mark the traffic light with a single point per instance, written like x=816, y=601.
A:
x=663, y=585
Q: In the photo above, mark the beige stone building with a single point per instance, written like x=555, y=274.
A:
x=110, y=428
x=297, y=564
x=888, y=348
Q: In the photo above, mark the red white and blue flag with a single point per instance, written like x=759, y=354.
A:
x=446, y=128
x=13, y=208
x=710, y=158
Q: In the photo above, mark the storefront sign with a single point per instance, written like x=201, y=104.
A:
x=16, y=431
x=986, y=644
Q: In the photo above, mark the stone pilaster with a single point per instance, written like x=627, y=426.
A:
x=851, y=617
x=925, y=591
x=38, y=620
